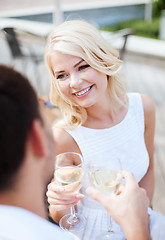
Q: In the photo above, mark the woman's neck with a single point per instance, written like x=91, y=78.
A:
x=105, y=115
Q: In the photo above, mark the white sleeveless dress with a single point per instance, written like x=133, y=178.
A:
x=125, y=139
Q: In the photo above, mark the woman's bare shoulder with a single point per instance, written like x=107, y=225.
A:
x=64, y=141
x=148, y=104
x=149, y=111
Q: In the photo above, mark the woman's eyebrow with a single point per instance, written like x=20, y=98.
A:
x=78, y=63
x=82, y=60
x=59, y=72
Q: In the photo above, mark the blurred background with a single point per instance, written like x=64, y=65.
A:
x=135, y=27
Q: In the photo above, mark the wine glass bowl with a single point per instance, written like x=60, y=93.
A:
x=106, y=180
x=65, y=175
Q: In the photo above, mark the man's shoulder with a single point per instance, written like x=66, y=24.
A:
x=26, y=225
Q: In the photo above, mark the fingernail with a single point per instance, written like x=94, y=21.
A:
x=61, y=189
x=89, y=190
x=79, y=196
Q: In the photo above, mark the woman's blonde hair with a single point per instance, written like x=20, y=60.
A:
x=81, y=39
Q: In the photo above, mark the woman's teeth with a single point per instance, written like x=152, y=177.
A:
x=82, y=92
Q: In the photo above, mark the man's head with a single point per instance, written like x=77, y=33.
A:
x=21, y=122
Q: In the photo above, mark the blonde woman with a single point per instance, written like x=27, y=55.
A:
x=99, y=117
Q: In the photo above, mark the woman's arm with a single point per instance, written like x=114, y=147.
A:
x=61, y=199
x=149, y=114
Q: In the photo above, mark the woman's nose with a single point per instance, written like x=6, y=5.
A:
x=74, y=80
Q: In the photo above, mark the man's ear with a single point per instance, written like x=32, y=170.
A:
x=37, y=138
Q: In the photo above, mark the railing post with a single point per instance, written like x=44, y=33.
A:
x=58, y=13
x=162, y=26
x=148, y=11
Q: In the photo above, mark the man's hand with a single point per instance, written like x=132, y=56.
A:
x=128, y=209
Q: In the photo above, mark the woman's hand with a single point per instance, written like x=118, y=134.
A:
x=63, y=197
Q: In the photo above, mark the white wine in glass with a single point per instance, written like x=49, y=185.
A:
x=68, y=170
x=67, y=175
x=106, y=180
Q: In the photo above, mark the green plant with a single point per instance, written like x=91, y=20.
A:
x=141, y=27
x=158, y=6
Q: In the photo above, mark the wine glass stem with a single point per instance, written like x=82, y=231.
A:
x=110, y=224
x=73, y=218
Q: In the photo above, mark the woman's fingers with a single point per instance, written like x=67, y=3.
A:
x=60, y=207
x=53, y=201
x=70, y=188
x=62, y=204
x=63, y=197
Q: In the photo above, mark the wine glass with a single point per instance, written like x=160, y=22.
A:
x=106, y=177
x=69, y=169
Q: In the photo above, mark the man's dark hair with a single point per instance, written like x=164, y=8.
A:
x=18, y=108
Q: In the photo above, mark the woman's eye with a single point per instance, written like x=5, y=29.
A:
x=61, y=76
x=83, y=67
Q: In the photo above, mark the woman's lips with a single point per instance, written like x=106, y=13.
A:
x=82, y=92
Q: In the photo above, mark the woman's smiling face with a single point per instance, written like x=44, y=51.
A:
x=77, y=80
